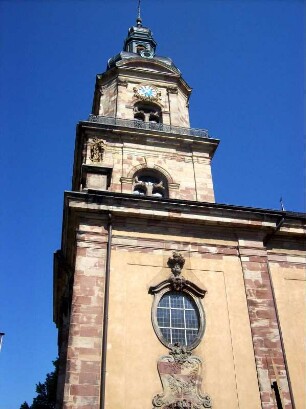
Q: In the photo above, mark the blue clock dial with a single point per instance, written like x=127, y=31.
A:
x=147, y=91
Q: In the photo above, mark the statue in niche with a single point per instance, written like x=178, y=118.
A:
x=97, y=150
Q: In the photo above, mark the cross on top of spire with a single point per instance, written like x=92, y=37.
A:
x=139, y=20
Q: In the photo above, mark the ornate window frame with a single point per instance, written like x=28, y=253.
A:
x=177, y=283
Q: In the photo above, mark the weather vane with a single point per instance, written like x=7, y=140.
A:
x=138, y=20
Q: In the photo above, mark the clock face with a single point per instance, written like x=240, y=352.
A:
x=148, y=92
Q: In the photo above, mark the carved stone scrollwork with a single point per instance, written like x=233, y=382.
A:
x=180, y=374
x=176, y=282
x=186, y=404
x=179, y=352
x=181, y=404
x=176, y=263
x=180, y=371
x=97, y=150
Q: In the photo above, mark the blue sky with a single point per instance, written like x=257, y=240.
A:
x=244, y=61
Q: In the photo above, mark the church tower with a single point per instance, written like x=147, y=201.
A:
x=163, y=298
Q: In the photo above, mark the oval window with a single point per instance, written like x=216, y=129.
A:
x=178, y=319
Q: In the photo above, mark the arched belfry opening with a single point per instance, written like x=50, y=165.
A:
x=148, y=112
x=150, y=182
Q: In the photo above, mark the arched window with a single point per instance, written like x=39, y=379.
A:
x=139, y=48
x=149, y=182
x=148, y=112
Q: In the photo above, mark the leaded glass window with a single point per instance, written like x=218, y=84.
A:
x=178, y=318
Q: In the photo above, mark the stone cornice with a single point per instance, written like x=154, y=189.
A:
x=210, y=144
x=191, y=212
x=130, y=71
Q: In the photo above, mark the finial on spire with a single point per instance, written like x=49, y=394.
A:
x=138, y=20
x=282, y=204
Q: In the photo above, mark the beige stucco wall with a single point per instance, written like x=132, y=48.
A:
x=229, y=374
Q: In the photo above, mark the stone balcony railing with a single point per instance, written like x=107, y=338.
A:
x=137, y=124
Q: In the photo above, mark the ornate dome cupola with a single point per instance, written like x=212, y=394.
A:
x=140, y=85
x=140, y=39
x=139, y=43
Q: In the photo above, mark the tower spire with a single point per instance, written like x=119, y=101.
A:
x=139, y=20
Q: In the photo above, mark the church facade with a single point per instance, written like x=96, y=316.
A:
x=164, y=298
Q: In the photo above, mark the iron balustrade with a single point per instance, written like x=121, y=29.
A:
x=152, y=126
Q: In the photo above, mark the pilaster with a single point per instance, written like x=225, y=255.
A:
x=83, y=368
x=268, y=352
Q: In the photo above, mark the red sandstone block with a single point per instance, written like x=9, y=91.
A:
x=85, y=291
x=258, y=258
x=78, y=272
x=250, y=284
x=89, y=331
x=72, y=366
x=91, y=378
x=90, y=310
x=90, y=366
x=84, y=390
x=249, y=266
x=261, y=354
x=91, y=406
x=266, y=313
x=263, y=294
x=212, y=256
x=81, y=251
x=81, y=351
x=85, y=281
x=227, y=250
x=273, y=345
x=267, y=400
x=82, y=318
x=75, y=330
x=262, y=327
x=82, y=300
x=278, y=361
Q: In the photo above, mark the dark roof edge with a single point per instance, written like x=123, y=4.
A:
x=97, y=193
